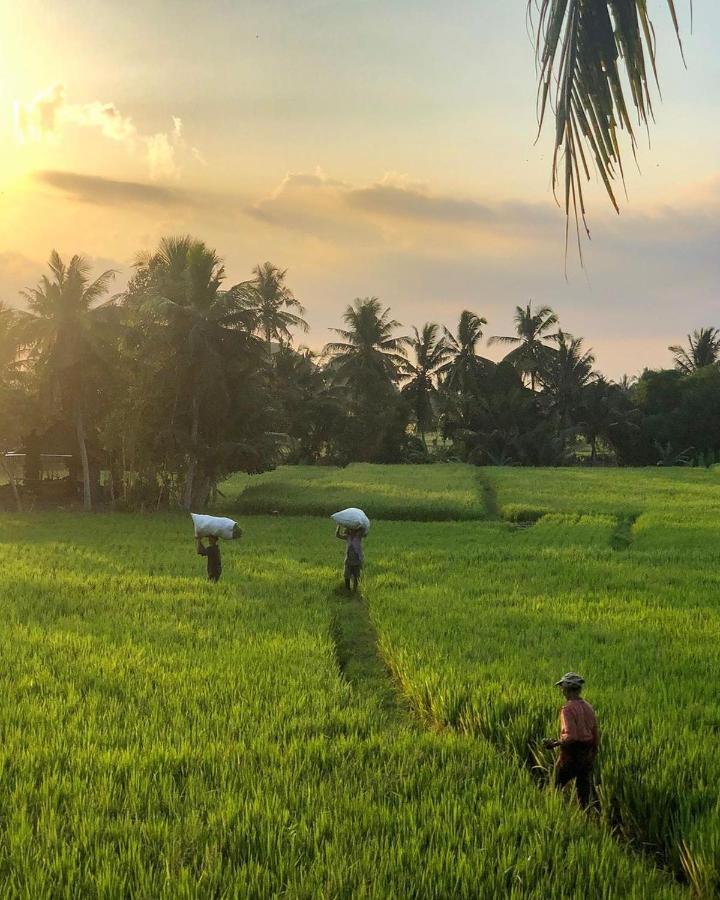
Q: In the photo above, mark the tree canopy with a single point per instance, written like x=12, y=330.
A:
x=155, y=395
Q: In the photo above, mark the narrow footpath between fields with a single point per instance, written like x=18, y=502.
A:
x=356, y=649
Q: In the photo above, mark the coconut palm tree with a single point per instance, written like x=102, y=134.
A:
x=532, y=331
x=463, y=363
x=368, y=350
x=568, y=370
x=431, y=354
x=626, y=383
x=273, y=303
x=12, y=413
x=184, y=294
x=703, y=349
x=591, y=54
x=8, y=337
x=64, y=330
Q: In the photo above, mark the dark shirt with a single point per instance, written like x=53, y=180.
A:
x=214, y=565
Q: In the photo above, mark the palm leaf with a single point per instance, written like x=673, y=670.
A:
x=591, y=54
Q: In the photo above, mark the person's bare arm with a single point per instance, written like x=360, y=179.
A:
x=552, y=743
x=340, y=533
x=200, y=546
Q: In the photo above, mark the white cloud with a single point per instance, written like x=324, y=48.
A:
x=45, y=117
x=161, y=157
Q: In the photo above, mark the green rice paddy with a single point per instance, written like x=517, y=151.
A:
x=271, y=736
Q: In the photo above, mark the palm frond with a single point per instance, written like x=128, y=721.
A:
x=590, y=54
x=503, y=339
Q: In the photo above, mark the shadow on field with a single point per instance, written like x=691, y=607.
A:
x=622, y=535
x=358, y=659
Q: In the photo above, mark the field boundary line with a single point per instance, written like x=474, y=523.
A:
x=360, y=663
x=488, y=496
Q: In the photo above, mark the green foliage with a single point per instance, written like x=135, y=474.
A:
x=366, y=366
x=272, y=302
x=702, y=350
x=530, y=351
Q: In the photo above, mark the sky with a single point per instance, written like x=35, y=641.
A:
x=370, y=147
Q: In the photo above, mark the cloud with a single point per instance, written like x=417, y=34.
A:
x=39, y=119
x=397, y=211
x=95, y=189
x=222, y=207
x=45, y=117
x=161, y=157
x=313, y=204
x=397, y=201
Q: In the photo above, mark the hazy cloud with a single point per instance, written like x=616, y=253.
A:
x=95, y=189
x=313, y=203
x=45, y=117
x=325, y=205
x=393, y=200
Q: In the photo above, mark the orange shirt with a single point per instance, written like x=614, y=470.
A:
x=578, y=723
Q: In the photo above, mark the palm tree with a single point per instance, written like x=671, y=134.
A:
x=626, y=383
x=63, y=331
x=10, y=402
x=431, y=354
x=8, y=337
x=606, y=411
x=463, y=363
x=569, y=369
x=273, y=302
x=587, y=51
x=703, y=349
x=368, y=349
x=532, y=330
x=184, y=293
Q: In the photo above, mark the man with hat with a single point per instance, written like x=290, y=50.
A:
x=579, y=739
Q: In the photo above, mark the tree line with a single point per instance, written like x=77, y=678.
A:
x=160, y=392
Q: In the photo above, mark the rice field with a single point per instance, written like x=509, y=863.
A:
x=165, y=737
x=423, y=493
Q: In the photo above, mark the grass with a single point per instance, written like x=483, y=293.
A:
x=163, y=737
x=477, y=639
x=422, y=492
x=609, y=491
x=167, y=738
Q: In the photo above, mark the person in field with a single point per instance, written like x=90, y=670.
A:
x=579, y=739
x=354, y=557
x=212, y=553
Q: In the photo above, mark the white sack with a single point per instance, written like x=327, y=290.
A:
x=215, y=526
x=352, y=518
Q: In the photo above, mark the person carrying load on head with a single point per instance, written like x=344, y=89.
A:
x=212, y=528
x=212, y=552
x=352, y=526
x=579, y=739
x=354, y=556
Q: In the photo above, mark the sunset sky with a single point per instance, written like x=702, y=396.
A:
x=371, y=148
